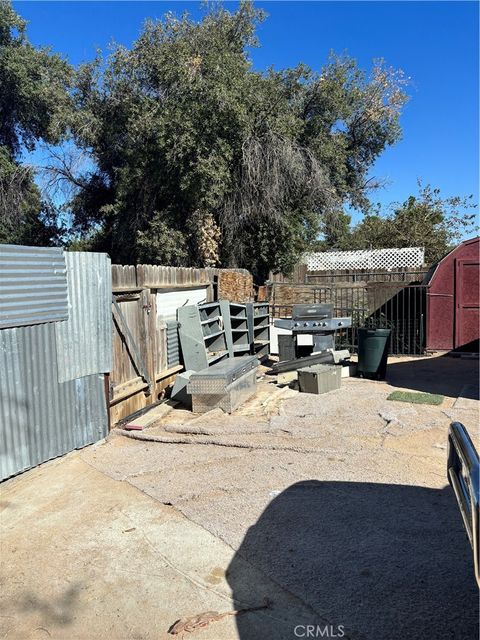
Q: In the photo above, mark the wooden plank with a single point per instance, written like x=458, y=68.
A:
x=127, y=389
x=148, y=333
x=151, y=416
x=124, y=386
x=126, y=289
x=124, y=276
x=177, y=287
x=167, y=373
x=130, y=405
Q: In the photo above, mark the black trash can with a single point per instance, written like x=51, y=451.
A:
x=372, y=353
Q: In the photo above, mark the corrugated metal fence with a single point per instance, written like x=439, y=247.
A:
x=85, y=338
x=33, y=285
x=52, y=393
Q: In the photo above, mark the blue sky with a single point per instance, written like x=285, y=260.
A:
x=436, y=43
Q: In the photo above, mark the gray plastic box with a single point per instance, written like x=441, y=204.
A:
x=320, y=378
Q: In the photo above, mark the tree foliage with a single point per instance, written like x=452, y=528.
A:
x=184, y=154
x=184, y=134
x=424, y=220
x=33, y=103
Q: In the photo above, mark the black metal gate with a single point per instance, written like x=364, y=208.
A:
x=402, y=309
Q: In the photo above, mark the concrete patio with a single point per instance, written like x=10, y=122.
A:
x=338, y=512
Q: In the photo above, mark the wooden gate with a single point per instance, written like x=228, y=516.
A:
x=142, y=339
x=139, y=371
x=146, y=354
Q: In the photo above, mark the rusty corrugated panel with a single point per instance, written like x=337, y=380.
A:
x=33, y=285
x=84, y=341
x=39, y=417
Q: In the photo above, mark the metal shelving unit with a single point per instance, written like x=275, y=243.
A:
x=236, y=327
x=202, y=335
x=258, y=317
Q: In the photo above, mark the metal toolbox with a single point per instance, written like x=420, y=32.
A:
x=234, y=395
x=226, y=384
x=320, y=378
x=219, y=376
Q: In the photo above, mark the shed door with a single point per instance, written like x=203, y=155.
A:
x=467, y=314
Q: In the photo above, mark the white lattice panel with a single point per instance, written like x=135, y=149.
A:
x=387, y=259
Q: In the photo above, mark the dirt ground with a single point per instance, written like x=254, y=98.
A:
x=335, y=508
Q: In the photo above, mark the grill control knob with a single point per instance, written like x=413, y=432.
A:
x=340, y=324
x=296, y=324
x=305, y=324
x=324, y=324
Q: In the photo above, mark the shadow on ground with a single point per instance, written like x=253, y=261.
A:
x=373, y=561
x=53, y=610
x=446, y=375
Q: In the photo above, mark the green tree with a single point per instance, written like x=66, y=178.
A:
x=184, y=134
x=33, y=104
x=336, y=232
x=426, y=220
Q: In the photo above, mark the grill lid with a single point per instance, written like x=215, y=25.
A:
x=308, y=311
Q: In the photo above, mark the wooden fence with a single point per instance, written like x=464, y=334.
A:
x=141, y=370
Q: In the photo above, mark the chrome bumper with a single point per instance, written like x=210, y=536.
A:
x=463, y=472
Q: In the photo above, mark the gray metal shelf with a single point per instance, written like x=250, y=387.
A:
x=237, y=338
x=210, y=320
x=201, y=346
x=259, y=333
x=260, y=327
x=241, y=348
x=217, y=356
x=207, y=336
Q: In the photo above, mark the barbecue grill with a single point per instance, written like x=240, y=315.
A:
x=316, y=320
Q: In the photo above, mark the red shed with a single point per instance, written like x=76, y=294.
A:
x=453, y=300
